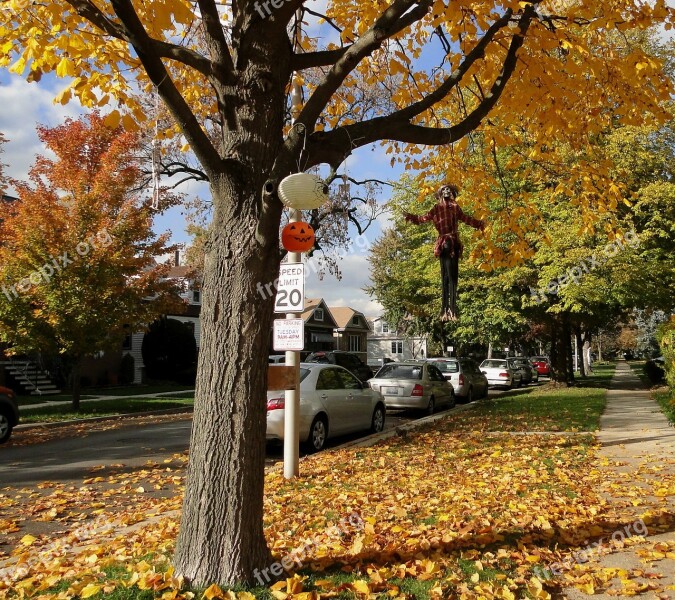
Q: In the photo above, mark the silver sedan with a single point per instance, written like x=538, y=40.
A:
x=332, y=402
x=415, y=384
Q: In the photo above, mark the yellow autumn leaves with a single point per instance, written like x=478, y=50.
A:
x=453, y=511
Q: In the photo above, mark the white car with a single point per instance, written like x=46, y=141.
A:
x=499, y=373
x=332, y=402
x=465, y=376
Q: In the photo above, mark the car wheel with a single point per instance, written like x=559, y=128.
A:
x=453, y=400
x=318, y=433
x=469, y=395
x=377, y=424
x=431, y=407
x=5, y=427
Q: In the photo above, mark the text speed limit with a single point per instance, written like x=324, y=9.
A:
x=290, y=296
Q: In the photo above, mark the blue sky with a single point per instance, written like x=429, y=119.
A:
x=27, y=105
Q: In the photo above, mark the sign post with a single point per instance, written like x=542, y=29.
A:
x=289, y=335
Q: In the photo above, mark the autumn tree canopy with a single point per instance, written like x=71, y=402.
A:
x=413, y=73
x=77, y=251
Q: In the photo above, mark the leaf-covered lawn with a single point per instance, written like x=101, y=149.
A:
x=453, y=511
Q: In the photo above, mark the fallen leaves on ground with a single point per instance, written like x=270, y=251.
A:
x=437, y=514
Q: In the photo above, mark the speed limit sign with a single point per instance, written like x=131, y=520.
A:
x=290, y=296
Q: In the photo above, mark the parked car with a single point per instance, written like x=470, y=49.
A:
x=499, y=373
x=526, y=369
x=413, y=384
x=348, y=360
x=542, y=364
x=464, y=375
x=332, y=402
x=9, y=413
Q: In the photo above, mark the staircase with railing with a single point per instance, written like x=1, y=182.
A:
x=29, y=378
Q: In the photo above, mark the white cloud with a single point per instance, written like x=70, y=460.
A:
x=348, y=291
x=24, y=106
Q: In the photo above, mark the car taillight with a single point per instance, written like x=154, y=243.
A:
x=275, y=403
x=418, y=390
x=461, y=379
x=504, y=375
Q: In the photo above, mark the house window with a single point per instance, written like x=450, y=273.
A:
x=355, y=321
x=196, y=296
x=318, y=314
x=385, y=327
x=355, y=343
x=397, y=347
x=126, y=342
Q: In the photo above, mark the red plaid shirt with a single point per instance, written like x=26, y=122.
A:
x=445, y=216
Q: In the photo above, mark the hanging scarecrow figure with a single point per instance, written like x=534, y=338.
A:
x=445, y=216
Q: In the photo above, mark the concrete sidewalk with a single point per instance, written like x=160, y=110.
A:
x=98, y=398
x=638, y=443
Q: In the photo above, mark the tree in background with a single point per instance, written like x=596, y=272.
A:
x=169, y=350
x=226, y=72
x=77, y=253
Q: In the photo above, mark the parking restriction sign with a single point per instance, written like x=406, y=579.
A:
x=289, y=334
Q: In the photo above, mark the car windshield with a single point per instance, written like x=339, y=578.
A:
x=520, y=361
x=447, y=367
x=539, y=359
x=396, y=371
x=493, y=364
x=318, y=357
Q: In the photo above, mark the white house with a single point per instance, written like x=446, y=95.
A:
x=384, y=342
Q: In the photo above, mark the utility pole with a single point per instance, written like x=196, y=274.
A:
x=292, y=397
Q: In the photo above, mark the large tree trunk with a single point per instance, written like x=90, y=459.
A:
x=561, y=350
x=221, y=534
x=221, y=538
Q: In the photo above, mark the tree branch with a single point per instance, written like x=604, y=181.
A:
x=392, y=20
x=89, y=11
x=478, y=51
x=332, y=147
x=137, y=36
x=322, y=58
x=220, y=51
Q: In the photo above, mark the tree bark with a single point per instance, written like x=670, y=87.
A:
x=561, y=350
x=221, y=535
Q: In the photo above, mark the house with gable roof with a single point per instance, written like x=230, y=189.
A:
x=352, y=330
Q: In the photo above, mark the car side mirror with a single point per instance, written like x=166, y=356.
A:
x=484, y=372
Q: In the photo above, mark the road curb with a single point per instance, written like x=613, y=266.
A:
x=147, y=413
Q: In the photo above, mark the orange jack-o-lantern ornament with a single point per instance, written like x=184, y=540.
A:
x=297, y=237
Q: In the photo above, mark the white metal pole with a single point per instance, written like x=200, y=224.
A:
x=292, y=397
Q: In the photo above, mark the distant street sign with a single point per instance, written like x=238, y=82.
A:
x=289, y=334
x=290, y=296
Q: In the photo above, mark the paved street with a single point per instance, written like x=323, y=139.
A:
x=73, y=458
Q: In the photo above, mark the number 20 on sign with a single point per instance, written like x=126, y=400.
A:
x=290, y=296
